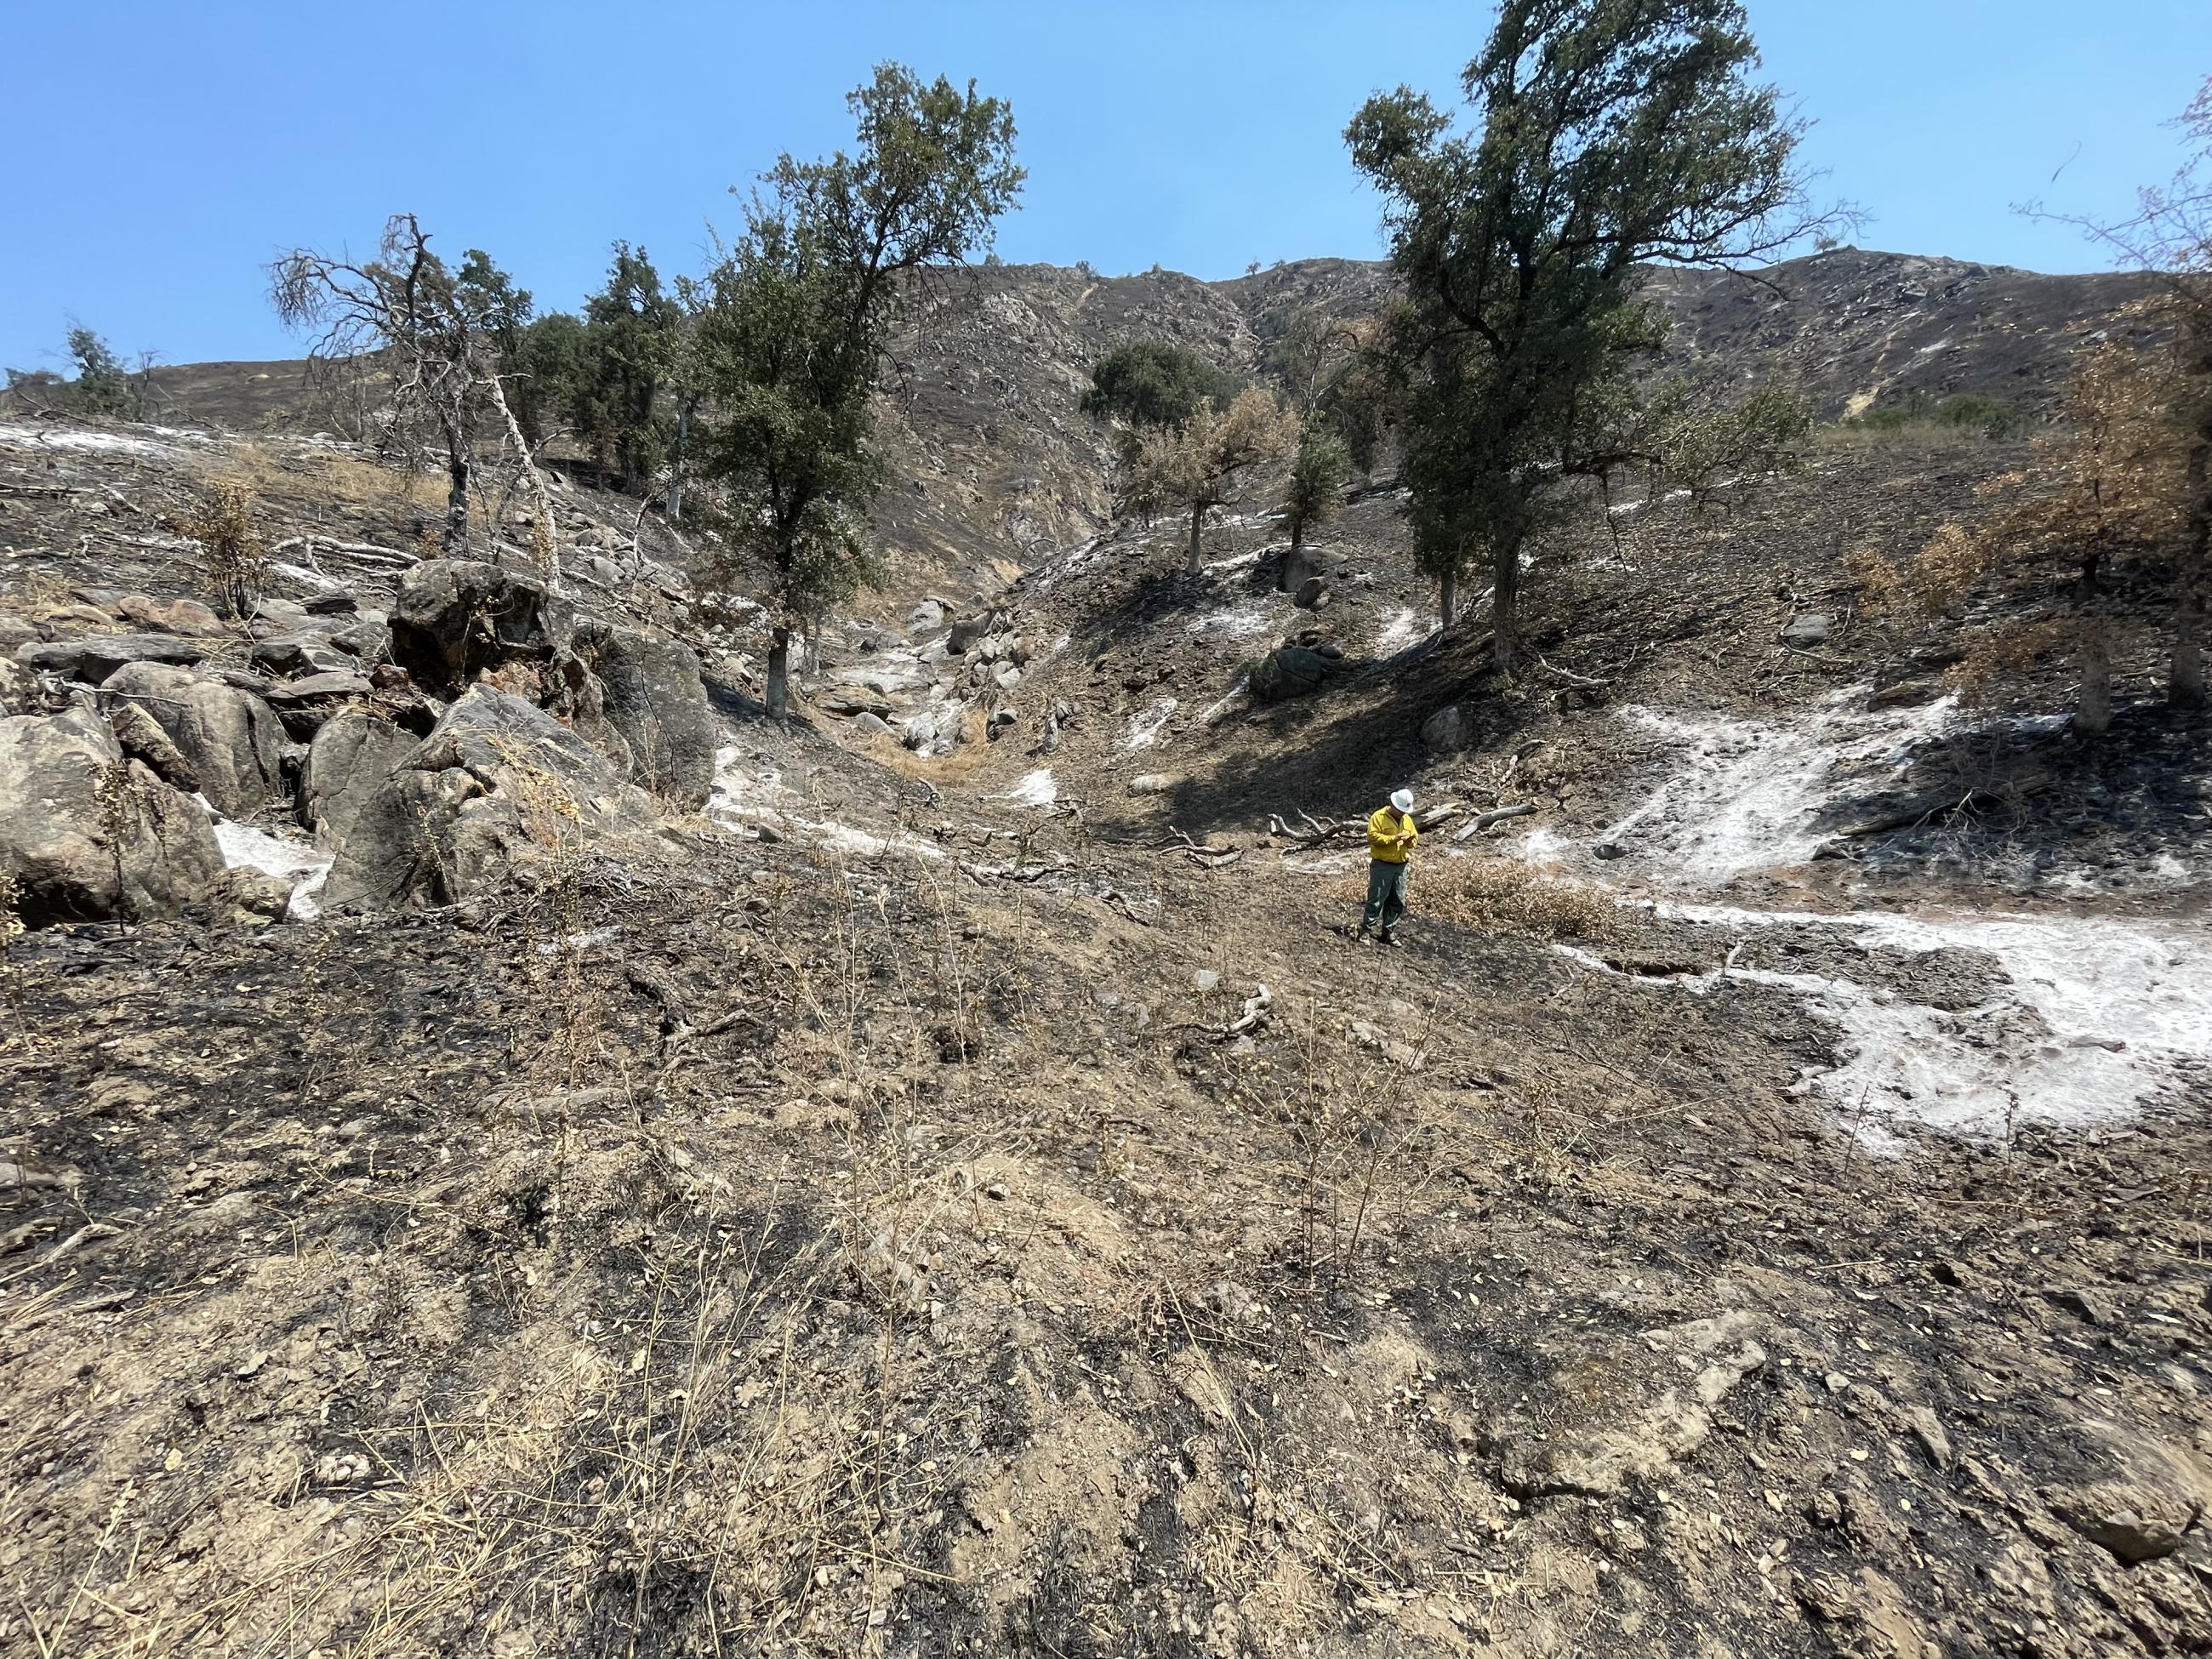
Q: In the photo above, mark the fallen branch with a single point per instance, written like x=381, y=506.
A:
x=364, y=552
x=1482, y=821
x=1580, y=682
x=1910, y=814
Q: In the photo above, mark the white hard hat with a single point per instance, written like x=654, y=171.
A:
x=1402, y=800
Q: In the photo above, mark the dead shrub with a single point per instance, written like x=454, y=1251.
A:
x=231, y=554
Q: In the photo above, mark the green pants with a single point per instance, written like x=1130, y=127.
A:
x=1386, y=895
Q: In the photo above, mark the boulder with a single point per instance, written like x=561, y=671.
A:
x=186, y=617
x=1445, y=731
x=455, y=617
x=1288, y=670
x=330, y=602
x=94, y=658
x=353, y=756
x=17, y=630
x=929, y=614
x=304, y=704
x=645, y=706
x=969, y=631
x=143, y=739
x=1308, y=596
x=231, y=741
x=873, y=724
x=90, y=835
x=304, y=653
x=1808, y=630
x=498, y=790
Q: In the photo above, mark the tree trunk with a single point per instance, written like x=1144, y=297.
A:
x=457, y=505
x=1505, y=604
x=548, y=550
x=1294, y=563
x=676, y=480
x=779, y=670
x=1447, y=598
x=2092, y=713
x=2185, y=687
x=1197, y=546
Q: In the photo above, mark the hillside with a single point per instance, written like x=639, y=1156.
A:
x=995, y=466
x=505, y=1150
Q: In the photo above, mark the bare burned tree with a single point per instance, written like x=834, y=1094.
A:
x=434, y=333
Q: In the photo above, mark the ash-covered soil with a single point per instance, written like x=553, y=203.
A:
x=935, y=1205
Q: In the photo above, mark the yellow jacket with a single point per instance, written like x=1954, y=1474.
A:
x=1391, y=835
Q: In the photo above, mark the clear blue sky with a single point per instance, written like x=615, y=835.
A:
x=163, y=152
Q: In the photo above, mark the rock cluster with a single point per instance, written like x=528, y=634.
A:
x=482, y=725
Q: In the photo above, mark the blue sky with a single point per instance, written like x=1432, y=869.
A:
x=166, y=152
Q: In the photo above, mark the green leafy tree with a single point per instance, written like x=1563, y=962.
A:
x=1151, y=383
x=629, y=344
x=1319, y=470
x=1605, y=134
x=793, y=334
x=544, y=372
x=1199, y=466
x=103, y=385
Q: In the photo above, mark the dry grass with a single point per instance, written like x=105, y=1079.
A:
x=1503, y=896
x=334, y=480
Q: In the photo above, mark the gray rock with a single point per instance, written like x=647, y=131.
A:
x=1008, y=677
x=289, y=654
x=454, y=617
x=644, y=705
x=497, y=790
x=16, y=630
x=1809, y=630
x=874, y=725
x=1288, y=670
x=969, y=631
x=89, y=834
x=232, y=740
x=1153, y=783
x=304, y=704
x=1445, y=731
x=93, y=659
x=928, y=615
x=353, y=756
x=1308, y=596
x=330, y=602
x=143, y=739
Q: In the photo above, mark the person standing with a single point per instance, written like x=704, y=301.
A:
x=1390, y=838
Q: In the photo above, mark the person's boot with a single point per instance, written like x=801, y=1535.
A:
x=1387, y=939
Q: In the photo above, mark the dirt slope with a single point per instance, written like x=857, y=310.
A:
x=933, y=1206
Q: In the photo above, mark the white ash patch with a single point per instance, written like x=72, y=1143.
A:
x=288, y=857
x=82, y=440
x=1745, y=793
x=1036, y=788
x=1405, y=627
x=1145, y=725
x=1239, y=622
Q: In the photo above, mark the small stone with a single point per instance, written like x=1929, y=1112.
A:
x=1811, y=629
x=1205, y=979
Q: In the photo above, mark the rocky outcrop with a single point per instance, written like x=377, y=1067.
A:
x=95, y=657
x=352, y=757
x=1288, y=670
x=642, y=703
x=454, y=617
x=89, y=834
x=232, y=741
x=498, y=788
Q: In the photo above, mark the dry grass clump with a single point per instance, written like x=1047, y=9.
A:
x=231, y=557
x=1503, y=895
